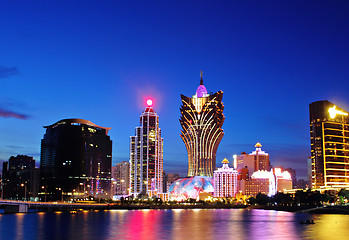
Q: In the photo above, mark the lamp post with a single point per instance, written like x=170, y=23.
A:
x=61, y=193
x=25, y=190
x=44, y=187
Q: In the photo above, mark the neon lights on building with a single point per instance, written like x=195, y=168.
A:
x=191, y=187
x=146, y=154
x=202, y=120
x=149, y=102
x=333, y=112
x=329, y=136
x=278, y=180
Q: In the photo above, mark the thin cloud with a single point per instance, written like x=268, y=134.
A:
x=9, y=114
x=6, y=72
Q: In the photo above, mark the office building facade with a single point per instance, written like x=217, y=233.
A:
x=76, y=158
x=202, y=120
x=329, y=137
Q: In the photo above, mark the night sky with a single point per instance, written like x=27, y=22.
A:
x=100, y=60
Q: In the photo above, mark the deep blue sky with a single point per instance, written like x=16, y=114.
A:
x=98, y=60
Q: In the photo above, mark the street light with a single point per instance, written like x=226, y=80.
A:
x=25, y=190
x=44, y=187
x=61, y=193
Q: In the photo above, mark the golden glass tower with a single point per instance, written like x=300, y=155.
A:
x=329, y=136
x=202, y=120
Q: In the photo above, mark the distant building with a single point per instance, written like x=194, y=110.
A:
x=302, y=184
x=171, y=178
x=329, y=136
x=122, y=178
x=75, y=161
x=146, y=155
x=310, y=174
x=202, y=120
x=257, y=160
x=266, y=182
x=292, y=172
x=20, y=178
x=225, y=181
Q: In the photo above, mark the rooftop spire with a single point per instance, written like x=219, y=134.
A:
x=201, y=81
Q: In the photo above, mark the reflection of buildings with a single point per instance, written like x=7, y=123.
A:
x=257, y=160
x=225, y=181
x=20, y=178
x=75, y=158
x=122, y=178
x=202, y=120
x=329, y=136
x=146, y=155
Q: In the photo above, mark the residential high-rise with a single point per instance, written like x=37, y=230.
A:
x=225, y=181
x=202, y=120
x=76, y=160
x=329, y=137
x=257, y=160
x=146, y=155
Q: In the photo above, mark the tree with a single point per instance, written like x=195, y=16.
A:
x=262, y=199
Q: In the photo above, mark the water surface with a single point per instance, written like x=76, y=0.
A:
x=173, y=224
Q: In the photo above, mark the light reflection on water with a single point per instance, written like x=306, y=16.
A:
x=173, y=224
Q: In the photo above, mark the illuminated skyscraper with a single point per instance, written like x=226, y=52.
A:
x=202, y=120
x=329, y=136
x=75, y=159
x=225, y=181
x=146, y=155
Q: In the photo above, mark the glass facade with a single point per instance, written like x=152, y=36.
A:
x=76, y=158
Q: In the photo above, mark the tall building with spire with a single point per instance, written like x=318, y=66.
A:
x=329, y=137
x=202, y=120
x=146, y=155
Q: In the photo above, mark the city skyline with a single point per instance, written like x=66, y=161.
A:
x=102, y=61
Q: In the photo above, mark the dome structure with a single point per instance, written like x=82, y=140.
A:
x=190, y=187
x=201, y=91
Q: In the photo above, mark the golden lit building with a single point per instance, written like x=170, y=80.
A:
x=202, y=120
x=329, y=136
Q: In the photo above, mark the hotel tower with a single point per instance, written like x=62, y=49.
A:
x=329, y=136
x=146, y=155
x=202, y=120
x=75, y=160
